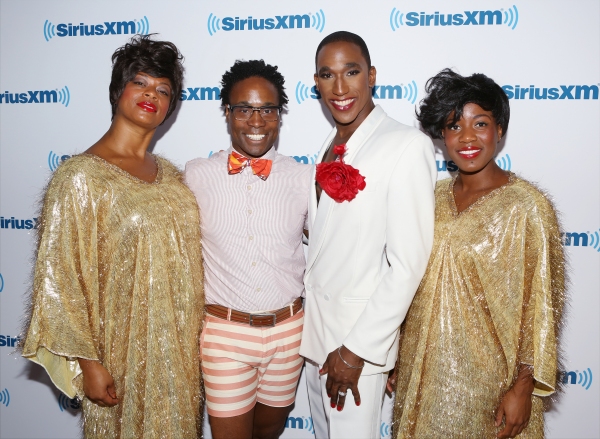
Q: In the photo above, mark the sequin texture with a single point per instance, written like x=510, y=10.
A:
x=118, y=278
x=491, y=298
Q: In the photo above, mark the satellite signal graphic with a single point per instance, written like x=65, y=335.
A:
x=318, y=22
x=64, y=96
x=511, y=17
x=49, y=30
x=301, y=92
x=584, y=379
x=396, y=19
x=594, y=241
x=142, y=26
x=308, y=424
x=1, y=283
x=504, y=162
x=385, y=429
x=410, y=92
x=5, y=397
x=214, y=24
x=66, y=403
x=53, y=161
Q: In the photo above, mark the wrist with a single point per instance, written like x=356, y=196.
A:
x=350, y=358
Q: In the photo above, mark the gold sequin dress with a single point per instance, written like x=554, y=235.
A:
x=118, y=278
x=491, y=298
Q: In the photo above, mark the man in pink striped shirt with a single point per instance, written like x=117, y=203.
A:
x=253, y=204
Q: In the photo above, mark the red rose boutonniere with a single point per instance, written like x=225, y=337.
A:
x=339, y=180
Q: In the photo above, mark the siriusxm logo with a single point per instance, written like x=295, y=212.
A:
x=401, y=91
x=62, y=96
x=306, y=159
x=509, y=17
x=300, y=423
x=584, y=379
x=5, y=397
x=66, y=403
x=200, y=94
x=305, y=21
x=551, y=93
x=12, y=223
x=55, y=160
x=583, y=239
x=449, y=166
x=8, y=341
x=385, y=429
x=141, y=26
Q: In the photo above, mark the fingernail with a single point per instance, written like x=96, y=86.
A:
x=339, y=408
x=328, y=395
x=332, y=405
x=358, y=403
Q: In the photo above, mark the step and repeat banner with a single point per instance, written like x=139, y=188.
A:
x=54, y=74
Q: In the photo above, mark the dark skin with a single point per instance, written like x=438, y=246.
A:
x=471, y=143
x=263, y=421
x=343, y=74
x=345, y=82
x=142, y=107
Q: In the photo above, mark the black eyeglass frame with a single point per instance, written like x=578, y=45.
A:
x=278, y=107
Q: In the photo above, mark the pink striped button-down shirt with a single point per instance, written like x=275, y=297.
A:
x=251, y=231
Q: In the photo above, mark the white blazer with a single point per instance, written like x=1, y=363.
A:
x=366, y=257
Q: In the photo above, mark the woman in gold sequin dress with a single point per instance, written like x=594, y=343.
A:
x=479, y=345
x=117, y=293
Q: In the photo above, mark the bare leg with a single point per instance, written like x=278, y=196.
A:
x=269, y=422
x=236, y=427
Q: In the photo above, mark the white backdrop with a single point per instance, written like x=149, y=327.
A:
x=54, y=103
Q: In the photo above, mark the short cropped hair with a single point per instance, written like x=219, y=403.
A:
x=248, y=69
x=345, y=37
x=448, y=93
x=160, y=59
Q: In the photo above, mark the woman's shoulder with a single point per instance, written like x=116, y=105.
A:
x=530, y=196
x=441, y=186
x=76, y=167
x=169, y=169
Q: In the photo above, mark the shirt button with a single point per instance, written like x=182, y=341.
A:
x=254, y=264
x=249, y=187
x=326, y=297
x=249, y=212
x=258, y=289
x=251, y=238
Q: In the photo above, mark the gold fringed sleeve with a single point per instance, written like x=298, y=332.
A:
x=65, y=274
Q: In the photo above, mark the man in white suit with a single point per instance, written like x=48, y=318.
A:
x=366, y=256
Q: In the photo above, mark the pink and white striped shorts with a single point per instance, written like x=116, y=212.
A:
x=242, y=364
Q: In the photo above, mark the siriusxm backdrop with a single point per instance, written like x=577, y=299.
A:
x=54, y=75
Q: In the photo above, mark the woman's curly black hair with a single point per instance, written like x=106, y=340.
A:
x=254, y=68
x=448, y=93
x=160, y=59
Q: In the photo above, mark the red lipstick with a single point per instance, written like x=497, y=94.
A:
x=148, y=106
x=469, y=153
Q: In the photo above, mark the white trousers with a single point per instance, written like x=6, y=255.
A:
x=362, y=422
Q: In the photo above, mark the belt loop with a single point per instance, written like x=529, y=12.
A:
x=229, y=314
x=292, y=309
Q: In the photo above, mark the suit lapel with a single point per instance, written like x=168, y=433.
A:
x=318, y=213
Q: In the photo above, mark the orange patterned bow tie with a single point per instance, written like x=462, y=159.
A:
x=260, y=167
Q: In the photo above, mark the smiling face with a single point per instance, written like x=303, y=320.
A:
x=145, y=100
x=254, y=137
x=345, y=82
x=471, y=141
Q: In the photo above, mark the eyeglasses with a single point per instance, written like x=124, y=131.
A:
x=245, y=112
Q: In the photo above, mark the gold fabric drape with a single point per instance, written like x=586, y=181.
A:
x=491, y=299
x=118, y=279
